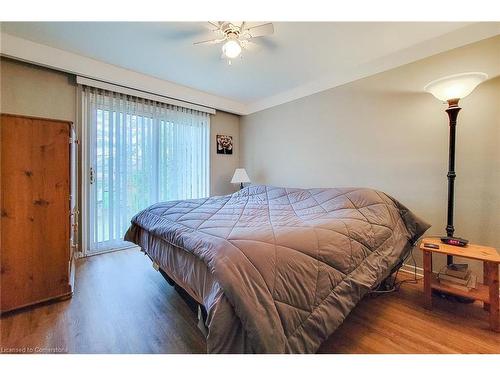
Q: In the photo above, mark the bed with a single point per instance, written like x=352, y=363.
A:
x=276, y=269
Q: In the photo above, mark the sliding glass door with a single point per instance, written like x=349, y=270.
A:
x=141, y=152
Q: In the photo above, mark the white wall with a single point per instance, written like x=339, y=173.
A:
x=384, y=132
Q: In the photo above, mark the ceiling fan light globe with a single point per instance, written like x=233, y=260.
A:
x=231, y=49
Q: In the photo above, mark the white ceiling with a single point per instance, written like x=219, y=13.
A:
x=299, y=59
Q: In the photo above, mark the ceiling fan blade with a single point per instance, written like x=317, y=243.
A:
x=260, y=30
x=250, y=46
x=215, y=24
x=211, y=41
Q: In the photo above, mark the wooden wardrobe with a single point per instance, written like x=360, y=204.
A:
x=37, y=210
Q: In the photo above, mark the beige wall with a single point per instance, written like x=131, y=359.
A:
x=224, y=165
x=31, y=90
x=384, y=132
x=35, y=91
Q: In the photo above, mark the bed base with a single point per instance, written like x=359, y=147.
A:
x=196, y=307
x=388, y=284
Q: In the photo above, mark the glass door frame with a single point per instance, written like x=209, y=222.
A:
x=89, y=193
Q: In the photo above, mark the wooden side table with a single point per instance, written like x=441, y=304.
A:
x=487, y=292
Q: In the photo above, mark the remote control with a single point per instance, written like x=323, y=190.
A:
x=431, y=246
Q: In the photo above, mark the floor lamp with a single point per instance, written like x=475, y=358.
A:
x=451, y=89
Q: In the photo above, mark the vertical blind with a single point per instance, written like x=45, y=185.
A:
x=142, y=152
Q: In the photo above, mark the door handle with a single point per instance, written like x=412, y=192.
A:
x=92, y=175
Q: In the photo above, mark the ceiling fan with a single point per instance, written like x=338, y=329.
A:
x=237, y=37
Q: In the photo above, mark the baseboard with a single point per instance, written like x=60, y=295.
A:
x=410, y=268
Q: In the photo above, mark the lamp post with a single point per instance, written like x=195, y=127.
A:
x=451, y=89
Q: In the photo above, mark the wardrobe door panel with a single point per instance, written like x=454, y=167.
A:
x=51, y=204
x=35, y=227
x=17, y=226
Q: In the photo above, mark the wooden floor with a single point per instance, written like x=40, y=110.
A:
x=121, y=305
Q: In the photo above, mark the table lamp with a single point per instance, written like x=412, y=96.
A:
x=451, y=89
x=240, y=177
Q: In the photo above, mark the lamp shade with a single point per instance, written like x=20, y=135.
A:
x=456, y=86
x=240, y=176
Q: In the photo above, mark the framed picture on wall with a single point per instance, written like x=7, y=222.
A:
x=224, y=144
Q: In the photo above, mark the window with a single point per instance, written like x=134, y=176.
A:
x=140, y=152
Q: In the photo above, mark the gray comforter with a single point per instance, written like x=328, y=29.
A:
x=291, y=262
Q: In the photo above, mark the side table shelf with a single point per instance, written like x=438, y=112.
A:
x=487, y=292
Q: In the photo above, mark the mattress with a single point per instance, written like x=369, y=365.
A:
x=277, y=269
